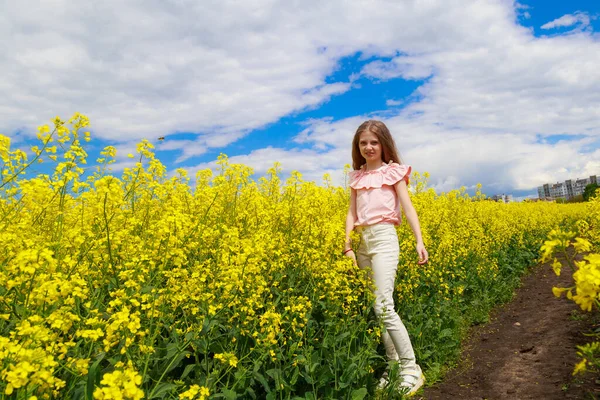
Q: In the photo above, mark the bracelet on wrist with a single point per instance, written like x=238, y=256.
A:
x=345, y=251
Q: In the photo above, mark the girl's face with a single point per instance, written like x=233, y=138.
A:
x=369, y=146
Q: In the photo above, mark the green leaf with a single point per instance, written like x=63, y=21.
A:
x=426, y=354
x=259, y=377
x=202, y=345
x=163, y=389
x=275, y=373
x=315, y=358
x=229, y=394
x=348, y=376
x=295, y=376
x=178, y=360
x=172, y=349
x=241, y=375
x=314, y=366
x=93, y=376
x=187, y=370
x=445, y=333
x=208, y=325
x=250, y=392
x=359, y=394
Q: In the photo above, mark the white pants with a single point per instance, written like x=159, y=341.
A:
x=378, y=253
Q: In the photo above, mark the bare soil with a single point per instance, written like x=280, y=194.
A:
x=527, y=350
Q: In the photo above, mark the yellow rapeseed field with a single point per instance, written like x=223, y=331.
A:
x=146, y=285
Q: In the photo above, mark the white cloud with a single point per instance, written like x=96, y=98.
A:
x=392, y=102
x=221, y=69
x=145, y=69
x=410, y=68
x=149, y=68
x=311, y=163
x=190, y=148
x=569, y=20
x=502, y=162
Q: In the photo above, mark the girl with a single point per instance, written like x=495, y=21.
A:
x=378, y=189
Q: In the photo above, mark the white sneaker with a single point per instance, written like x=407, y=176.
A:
x=385, y=377
x=384, y=380
x=412, y=380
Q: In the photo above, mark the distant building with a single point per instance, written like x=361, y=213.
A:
x=580, y=184
x=565, y=190
x=544, y=191
x=569, y=188
x=504, y=198
x=558, y=190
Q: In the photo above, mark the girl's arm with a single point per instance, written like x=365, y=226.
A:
x=350, y=218
x=412, y=218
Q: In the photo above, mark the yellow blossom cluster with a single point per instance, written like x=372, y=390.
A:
x=584, y=261
x=150, y=285
x=227, y=358
x=121, y=384
x=195, y=392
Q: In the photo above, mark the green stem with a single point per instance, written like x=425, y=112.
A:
x=153, y=338
x=112, y=264
x=569, y=260
x=168, y=368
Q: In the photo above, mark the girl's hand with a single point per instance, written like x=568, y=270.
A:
x=351, y=255
x=422, y=252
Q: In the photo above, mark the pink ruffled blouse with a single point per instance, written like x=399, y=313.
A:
x=376, y=199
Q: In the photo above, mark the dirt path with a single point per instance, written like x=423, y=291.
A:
x=527, y=351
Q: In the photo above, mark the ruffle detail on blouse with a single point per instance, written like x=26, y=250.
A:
x=389, y=174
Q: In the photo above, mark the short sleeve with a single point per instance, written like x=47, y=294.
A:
x=396, y=173
x=389, y=174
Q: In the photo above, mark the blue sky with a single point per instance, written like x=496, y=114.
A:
x=502, y=93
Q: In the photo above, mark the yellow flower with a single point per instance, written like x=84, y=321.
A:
x=120, y=384
x=195, y=392
x=556, y=266
x=582, y=245
x=228, y=358
x=558, y=291
x=580, y=367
